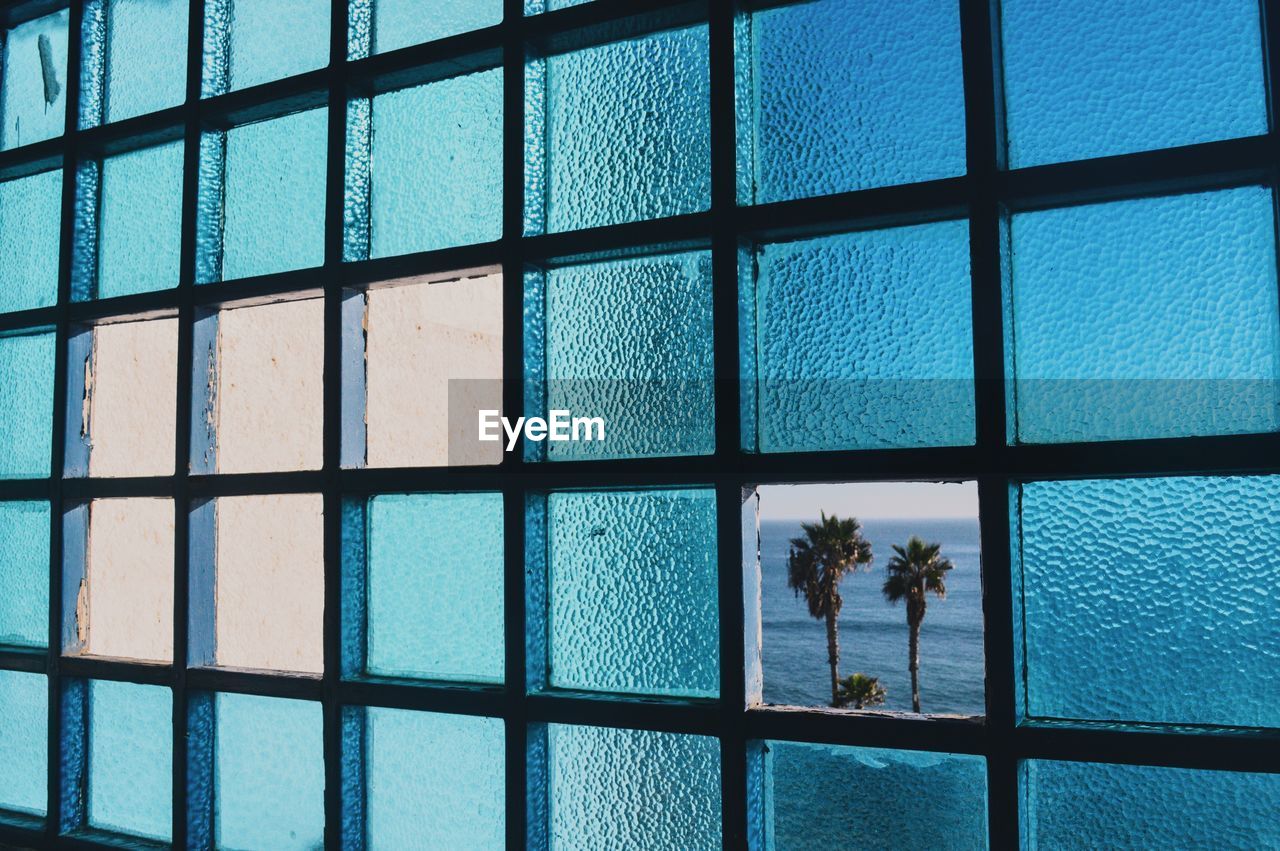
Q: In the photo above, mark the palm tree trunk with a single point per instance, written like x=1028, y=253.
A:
x=913, y=665
x=833, y=657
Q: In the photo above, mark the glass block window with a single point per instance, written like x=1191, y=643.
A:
x=130, y=761
x=30, y=213
x=134, y=58
x=24, y=573
x=24, y=731
x=26, y=403
x=33, y=87
x=250, y=42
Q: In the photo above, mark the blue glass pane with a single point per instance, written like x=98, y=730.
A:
x=24, y=573
x=248, y=42
x=1073, y=805
x=33, y=91
x=626, y=133
x=434, y=781
x=1155, y=317
x=146, y=56
x=141, y=219
x=1133, y=588
x=1100, y=77
x=401, y=23
x=24, y=741
x=26, y=405
x=131, y=758
x=435, y=586
x=268, y=773
x=844, y=95
x=863, y=340
x=887, y=799
x=30, y=216
x=618, y=560
x=534, y=7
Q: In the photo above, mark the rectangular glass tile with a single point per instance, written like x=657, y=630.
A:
x=1075, y=806
x=140, y=221
x=26, y=405
x=434, y=780
x=378, y=26
x=840, y=95
x=30, y=218
x=1096, y=78
x=615, y=558
x=247, y=42
x=887, y=799
x=861, y=341
x=268, y=773
x=535, y=7
x=33, y=89
x=24, y=573
x=1154, y=317
x=145, y=57
x=131, y=759
x=1141, y=586
x=24, y=741
x=130, y=405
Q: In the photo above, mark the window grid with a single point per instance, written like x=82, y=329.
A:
x=985, y=195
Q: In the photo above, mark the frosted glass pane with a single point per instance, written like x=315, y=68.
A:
x=131, y=758
x=131, y=403
x=1155, y=317
x=26, y=405
x=33, y=91
x=633, y=592
x=401, y=23
x=1141, y=586
x=146, y=60
x=24, y=741
x=864, y=340
x=633, y=789
x=435, y=586
x=1095, y=78
x=30, y=216
x=887, y=799
x=1074, y=805
x=268, y=773
x=434, y=781
x=141, y=219
x=248, y=42
x=24, y=573
x=846, y=95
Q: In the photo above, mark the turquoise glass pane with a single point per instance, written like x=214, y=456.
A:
x=141, y=219
x=839, y=95
x=24, y=741
x=1075, y=805
x=248, y=42
x=33, y=89
x=268, y=773
x=626, y=133
x=887, y=799
x=1099, y=77
x=435, y=586
x=1139, y=588
x=434, y=781
x=30, y=218
x=437, y=165
x=131, y=759
x=1155, y=317
x=863, y=340
x=26, y=405
x=24, y=573
x=534, y=7
x=633, y=592
x=401, y=23
x=632, y=789
x=146, y=57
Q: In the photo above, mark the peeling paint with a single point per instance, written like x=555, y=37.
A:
x=82, y=614
x=86, y=404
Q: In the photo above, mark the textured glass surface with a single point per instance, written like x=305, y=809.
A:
x=1075, y=805
x=131, y=758
x=24, y=741
x=887, y=799
x=435, y=586
x=24, y=573
x=130, y=406
x=1142, y=587
x=534, y=7
x=631, y=341
x=633, y=592
x=1154, y=317
x=1099, y=77
x=401, y=23
x=268, y=773
x=633, y=789
x=141, y=217
x=26, y=405
x=434, y=781
x=146, y=59
x=864, y=340
x=30, y=215
x=626, y=133
x=248, y=42
x=846, y=95
x=33, y=90
x=437, y=165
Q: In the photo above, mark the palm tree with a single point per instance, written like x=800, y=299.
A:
x=829, y=549
x=912, y=571
x=861, y=691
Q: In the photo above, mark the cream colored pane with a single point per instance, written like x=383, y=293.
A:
x=131, y=400
x=418, y=337
x=270, y=582
x=270, y=392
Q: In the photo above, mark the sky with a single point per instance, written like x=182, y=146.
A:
x=869, y=499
